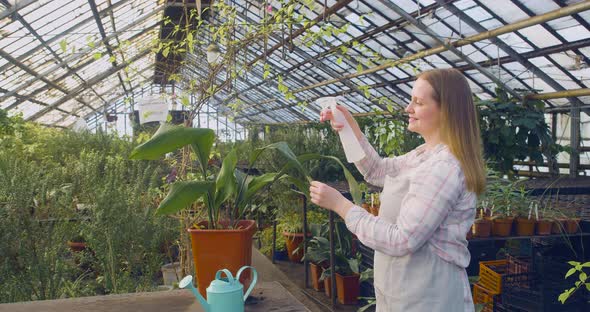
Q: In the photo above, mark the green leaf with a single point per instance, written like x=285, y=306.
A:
x=359, y=68
x=182, y=194
x=112, y=59
x=339, y=61
x=168, y=138
x=97, y=56
x=225, y=185
x=284, y=149
x=254, y=185
x=184, y=100
x=166, y=51
x=63, y=44
x=353, y=186
x=570, y=272
x=583, y=276
x=573, y=263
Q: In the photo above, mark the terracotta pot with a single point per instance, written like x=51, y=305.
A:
x=315, y=271
x=366, y=207
x=544, y=227
x=374, y=210
x=214, y=250
x=469, y=233
x=502, y=226
x=328, y=286
x=558, y=226
x=482, y=228
x=293, y=241
x=525, y=227
x=348, y=288
x=77, y=246
x=571, y=225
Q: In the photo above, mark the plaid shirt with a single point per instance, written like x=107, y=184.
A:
x=437, y=210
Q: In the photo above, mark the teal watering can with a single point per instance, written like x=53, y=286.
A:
x=223, y=294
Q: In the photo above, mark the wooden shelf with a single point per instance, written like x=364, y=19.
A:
x=499, y=238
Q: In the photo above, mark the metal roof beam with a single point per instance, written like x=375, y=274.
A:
x=458, y=53
x=327, y=12
x=18, y=96
x=43, y=43
x=506, y=59
x=113, y=88
x=92, y=81
x=13, y=9
x=67, y=31
x=66, y=60
x=103, y=35
x=571, y=9
x=37, y=75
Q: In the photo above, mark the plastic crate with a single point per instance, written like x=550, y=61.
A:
x=540, y=295
x=490, y=274
x=482, y=294
x=518, y=265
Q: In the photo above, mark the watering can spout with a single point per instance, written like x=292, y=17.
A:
x=187, y=282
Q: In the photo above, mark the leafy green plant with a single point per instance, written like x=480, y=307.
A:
x=577, y=267
x=514, y=131
x=389, y=133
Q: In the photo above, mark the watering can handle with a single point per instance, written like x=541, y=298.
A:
x=254, y=279
x=230, y=278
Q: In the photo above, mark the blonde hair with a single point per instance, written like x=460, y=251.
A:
x=459, y=123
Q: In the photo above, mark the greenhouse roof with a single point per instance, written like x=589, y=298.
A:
x=59, y=59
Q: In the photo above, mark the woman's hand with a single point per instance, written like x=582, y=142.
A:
x=329, y=198
x=327, y=114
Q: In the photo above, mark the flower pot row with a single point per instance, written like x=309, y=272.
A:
x=347, y=287
x=502, y=227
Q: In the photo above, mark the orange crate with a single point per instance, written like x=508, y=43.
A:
x=490, y=274
x=483, y=295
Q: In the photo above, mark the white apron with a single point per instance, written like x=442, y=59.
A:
x=418, y=282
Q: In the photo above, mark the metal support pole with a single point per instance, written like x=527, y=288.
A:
x=574, y=140
x=552, y=161
x=274, y=240
x=305, y=261
x=332, y=261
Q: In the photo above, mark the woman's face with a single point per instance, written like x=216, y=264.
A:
x=424, y=111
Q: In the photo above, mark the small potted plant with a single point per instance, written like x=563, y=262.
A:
x=77, y=243
x=499, y=197
x=318, y=255
x=523, y=212
x=545, y=220
x=482, y=225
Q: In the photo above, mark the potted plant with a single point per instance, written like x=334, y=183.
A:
x=482, y=225
x=318, y=254
x=77, y=243
x=523, y=211
x=498, y=198
x=346, y=267
x=224, y=240
x=291, y=225
x=545, y=218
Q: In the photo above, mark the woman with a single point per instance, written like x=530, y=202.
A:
x=427, y=203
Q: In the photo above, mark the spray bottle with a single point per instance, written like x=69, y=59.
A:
x=351, y=145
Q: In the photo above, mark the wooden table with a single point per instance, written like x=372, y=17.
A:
x=266, y=296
